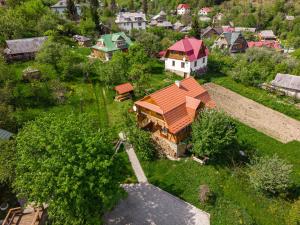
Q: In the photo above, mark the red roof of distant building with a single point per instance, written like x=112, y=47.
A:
x=184, y=6
x=268, y=44
x=178, y=105
x=192, y=47
x=207, y=9
x=124, y=88
x=228, y=29
x=162, y=53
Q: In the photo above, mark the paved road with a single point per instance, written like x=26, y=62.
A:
x=262, y=118
x=149, y=205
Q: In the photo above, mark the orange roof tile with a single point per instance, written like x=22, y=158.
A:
x=124, y=88
x=178, y=105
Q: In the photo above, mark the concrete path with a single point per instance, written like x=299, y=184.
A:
x=260, y=117
x=137, y=168
x=149, y=205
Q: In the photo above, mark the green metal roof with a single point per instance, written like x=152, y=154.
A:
x=109, y=42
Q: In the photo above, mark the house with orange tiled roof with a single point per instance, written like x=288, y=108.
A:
x=169, y=113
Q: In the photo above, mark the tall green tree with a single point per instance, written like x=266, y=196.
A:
x=212, y=132
x=70, y=164
x=145, y=6
x=8, y=161
x=71, y=10
x=94, y=6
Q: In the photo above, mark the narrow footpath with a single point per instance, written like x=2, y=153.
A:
x=137, y=168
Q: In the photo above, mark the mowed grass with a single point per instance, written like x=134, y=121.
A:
x=279, y=103
x=234, y=201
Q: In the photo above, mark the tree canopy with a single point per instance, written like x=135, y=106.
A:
x=68, y=163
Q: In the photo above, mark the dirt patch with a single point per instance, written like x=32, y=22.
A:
x=262, y=118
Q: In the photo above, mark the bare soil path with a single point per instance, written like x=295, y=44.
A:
x=262, y=118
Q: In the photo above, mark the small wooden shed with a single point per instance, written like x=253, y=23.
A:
x=123, y=92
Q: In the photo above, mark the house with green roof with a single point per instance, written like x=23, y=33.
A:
x=234, y=42
x=110, y=43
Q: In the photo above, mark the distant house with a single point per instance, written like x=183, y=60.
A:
x=204, y=18
x=210, y=32
x=267, y=35
x=178, y=26
x=289, y=84
x=5, y=135
x=186, y=29
x=169, y=113
x=131, y=20
x=160, y=17
x=218, y=17
x=82, y=40
x=234, y=42
x=267, y=44
x=289, y=18
x=61, y=7
x=23, y=49
x=183, y=9
x=2, y=3
x=205, y=11
x=160, y=20
x=186, y=56
x=108, y=44
x=245, y=29
x=123, y=92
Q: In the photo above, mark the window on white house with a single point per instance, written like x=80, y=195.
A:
x=139, y=23
x=173, y=63
x=195, y=64
x=182, y=65
x=203, y=60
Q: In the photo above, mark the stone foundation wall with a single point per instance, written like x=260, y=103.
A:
x=166, y=147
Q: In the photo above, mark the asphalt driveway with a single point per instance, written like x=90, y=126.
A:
x=148, y=204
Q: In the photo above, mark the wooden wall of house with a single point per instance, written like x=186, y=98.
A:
x=176, y=55
x=99, y=54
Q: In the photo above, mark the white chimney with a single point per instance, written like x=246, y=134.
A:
x=177, y=82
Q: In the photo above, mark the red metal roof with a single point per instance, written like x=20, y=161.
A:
x=185, y=6
x=124, y=88
x=178, y=105
x=191, y=46
x=268, y=44
x=206, y=9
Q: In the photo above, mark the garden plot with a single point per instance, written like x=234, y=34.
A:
x=264, y=119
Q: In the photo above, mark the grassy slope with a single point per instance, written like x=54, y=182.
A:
x=236, y=202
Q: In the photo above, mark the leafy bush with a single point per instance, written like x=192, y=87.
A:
x=294, y=215
x=270, y=174
x=212, y=132
x=143, y=143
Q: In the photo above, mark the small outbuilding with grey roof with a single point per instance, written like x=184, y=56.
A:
x=110, y=43
x=289, y=84
x=23, y=49
x=5, y=135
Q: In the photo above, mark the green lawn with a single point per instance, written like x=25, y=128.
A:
x=280, y=104
x=235, y=201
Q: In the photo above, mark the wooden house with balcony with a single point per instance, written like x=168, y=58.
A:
x=169, y=113
x=187, y=56
x=233, y=41
x=108, y=44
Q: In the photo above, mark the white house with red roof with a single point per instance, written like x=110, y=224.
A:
x=183, y=9
x=186, y=57
x=205, y=11
x=169, y=113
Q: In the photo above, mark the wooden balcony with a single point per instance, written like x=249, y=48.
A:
x=28, y=216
